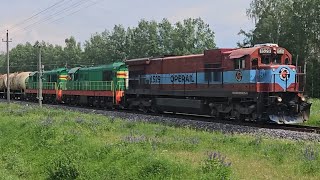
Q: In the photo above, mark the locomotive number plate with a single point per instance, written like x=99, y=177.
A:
x=265, y=51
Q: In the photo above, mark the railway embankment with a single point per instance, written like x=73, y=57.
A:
x=60, y=143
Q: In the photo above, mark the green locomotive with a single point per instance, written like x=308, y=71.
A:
x=52, y=81
x=97, y=86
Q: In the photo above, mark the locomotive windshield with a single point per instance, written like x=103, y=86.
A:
x=271, y=59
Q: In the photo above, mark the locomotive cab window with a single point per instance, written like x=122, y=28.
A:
x=276, y=59
x=270, y=59
x=287, y=61
x=265, y=59
x=239, y=63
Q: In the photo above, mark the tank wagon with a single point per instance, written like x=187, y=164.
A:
x=258, y=84
x=16, y=83
x=3, y=77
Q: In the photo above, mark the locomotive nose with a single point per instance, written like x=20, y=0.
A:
x=284, y=76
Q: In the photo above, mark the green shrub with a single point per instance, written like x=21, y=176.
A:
x=155, y=168
x=215, y=167
x=310, y=157
x=62, y=168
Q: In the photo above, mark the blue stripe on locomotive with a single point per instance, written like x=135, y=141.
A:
x=229, y=77
x=199, y=78
x=248, y=76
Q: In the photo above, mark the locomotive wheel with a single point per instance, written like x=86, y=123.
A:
x=143, y=108
x=236, y=115
x=154, y=109
x=214, y=113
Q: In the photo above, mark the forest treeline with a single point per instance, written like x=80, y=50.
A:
x=148, y=39
x=293, y=24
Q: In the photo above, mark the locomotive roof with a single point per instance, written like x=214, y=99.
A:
x=58, y=70
x=141, y=61
x=112, y=66
x=238, y=53
x=54, y=71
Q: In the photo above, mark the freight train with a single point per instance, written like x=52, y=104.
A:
x=259, y=83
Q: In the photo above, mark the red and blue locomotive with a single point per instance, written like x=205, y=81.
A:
x=257, y=84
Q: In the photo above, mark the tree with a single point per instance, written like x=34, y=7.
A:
x=150, y=39
x=192, y=36
x=94, y=51
x=52, y=56
x=165, y=29
x=145, y=40
x=23, y=58
x=2, y=62
x=72, y=53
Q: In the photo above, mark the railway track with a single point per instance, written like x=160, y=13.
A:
x=288, y=127
x=300, y=128
x=207, y=119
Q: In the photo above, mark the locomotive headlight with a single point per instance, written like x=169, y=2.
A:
x=303, y=99
x=273, y=69
x=279, y=99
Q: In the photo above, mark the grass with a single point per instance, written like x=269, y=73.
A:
x=315, y=113
x=58, y=144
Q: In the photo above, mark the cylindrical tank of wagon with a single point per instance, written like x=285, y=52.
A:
x=2, y=85
x=20, y=80
x=5, y=80
x=12, y=80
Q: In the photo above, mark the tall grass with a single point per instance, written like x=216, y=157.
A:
x=314, y=113
x=58, y=144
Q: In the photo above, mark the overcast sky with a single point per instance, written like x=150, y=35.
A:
x=225, y=17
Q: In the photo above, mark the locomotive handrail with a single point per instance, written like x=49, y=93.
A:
x=45, y=85
x=88, y=85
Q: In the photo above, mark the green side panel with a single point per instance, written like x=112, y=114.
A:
x=50, y=79
x=94, y=78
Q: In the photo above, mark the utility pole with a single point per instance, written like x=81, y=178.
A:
x=8, y=64
x=40, y=78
